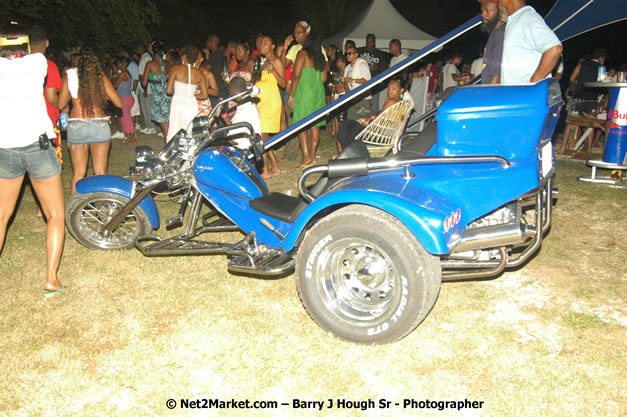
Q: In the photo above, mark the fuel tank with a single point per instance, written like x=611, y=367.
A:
x=222, y=169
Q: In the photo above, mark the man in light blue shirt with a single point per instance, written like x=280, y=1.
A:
x=133, y=69
x=530, y=49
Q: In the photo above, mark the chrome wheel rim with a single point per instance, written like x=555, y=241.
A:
x=96, y=213
x=357, y=281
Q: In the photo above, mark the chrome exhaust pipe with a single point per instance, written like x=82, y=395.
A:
x=495, y=236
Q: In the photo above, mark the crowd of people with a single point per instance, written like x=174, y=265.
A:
x=168, y=87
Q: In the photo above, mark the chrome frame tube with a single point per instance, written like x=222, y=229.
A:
x=429, y=160
x=392, y=164
x=194, y=213
x=544, y=201
x=498, y=268
x=321, y=169
x=130, y=205
x=542, y=224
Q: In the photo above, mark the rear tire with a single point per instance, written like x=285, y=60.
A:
x=363, y=276
x=85, y=215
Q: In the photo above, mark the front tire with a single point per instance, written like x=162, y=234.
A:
x=363, y=276
x=87, y=213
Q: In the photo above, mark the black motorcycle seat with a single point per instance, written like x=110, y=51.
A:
x=277, y=205
x=287, y=208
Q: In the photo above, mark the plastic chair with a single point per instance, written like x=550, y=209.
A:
x=382, y=134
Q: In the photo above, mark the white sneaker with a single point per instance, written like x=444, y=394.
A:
x=148, y=131
x=160, y=134
x=117, y=135
x=137, y=126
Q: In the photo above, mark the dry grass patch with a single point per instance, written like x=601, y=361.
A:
x=132, y=332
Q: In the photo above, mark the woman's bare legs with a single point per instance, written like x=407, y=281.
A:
x=100, y=157
x=309, y=141
x=9, y=189
x=130, y=139
x=303, y=138
x=284, y=117
x=284, y=112
x=80, y=157
x=164, y=129
x=275, y=164
x=315, y=141
x=564, y=140
x=335, y=123
x=269, y=157
x=79, y=154
x=597, y=137
x=50, y=194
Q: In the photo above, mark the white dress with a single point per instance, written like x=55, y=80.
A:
x=184, y=106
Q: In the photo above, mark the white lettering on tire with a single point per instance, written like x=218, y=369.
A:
x=314, y=253
x=372, y=331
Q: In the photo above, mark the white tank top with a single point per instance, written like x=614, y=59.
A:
x=72, y=82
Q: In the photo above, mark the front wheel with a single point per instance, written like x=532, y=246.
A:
x=363, y=276
x=86, y=214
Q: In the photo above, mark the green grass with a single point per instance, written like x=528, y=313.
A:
x=132, y=332
x=583, y=321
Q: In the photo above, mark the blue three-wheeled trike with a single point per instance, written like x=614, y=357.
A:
x=370, y=239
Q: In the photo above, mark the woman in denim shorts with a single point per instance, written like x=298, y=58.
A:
x=25, y=148
x=88, y=126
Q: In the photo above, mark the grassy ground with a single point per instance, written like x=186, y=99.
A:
x=133, y=332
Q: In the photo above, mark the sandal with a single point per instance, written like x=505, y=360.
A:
x=52, y=293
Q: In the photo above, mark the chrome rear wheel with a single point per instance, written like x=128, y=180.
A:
x=363, y=276
x=360, y=281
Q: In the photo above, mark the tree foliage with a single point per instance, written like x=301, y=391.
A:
x=192, y=21
x=107, y=25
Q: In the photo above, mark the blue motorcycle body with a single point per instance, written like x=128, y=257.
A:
x=509, y=121
x=466, y=198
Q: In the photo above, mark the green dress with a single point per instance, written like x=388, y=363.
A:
x=309, y=95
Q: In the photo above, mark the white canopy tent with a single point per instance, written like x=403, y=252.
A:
x=386, y=23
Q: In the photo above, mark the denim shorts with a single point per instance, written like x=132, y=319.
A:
x=285, y=95
x=85, y=131
x=40, y=164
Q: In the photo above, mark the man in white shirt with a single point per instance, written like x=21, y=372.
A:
x=395, y=50
x=144, y=94
x=477, y=65
x=356, y=73
x=530, y=49
x=450, y=73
